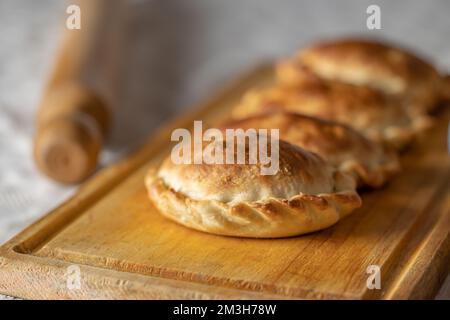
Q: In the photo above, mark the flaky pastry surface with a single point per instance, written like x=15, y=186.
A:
x=378, y=116
x=305, y=195
x=374, y=64
x=340, y=145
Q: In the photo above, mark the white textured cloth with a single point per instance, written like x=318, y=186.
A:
x=27, y=37
x=177, y=53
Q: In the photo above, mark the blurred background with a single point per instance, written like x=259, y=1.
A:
x=174, y=53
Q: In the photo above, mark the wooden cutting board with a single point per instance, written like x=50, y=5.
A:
x=125, y=249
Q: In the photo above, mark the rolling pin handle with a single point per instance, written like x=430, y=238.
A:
x=72, y=123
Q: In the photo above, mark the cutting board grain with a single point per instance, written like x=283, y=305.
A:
x=125, y=249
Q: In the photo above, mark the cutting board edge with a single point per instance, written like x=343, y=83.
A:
x=30, y=277
x=426, y=264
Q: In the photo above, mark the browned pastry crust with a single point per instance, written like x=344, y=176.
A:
x=378, y=116
x=305, y=195
x=351, y=152
x=374, y=64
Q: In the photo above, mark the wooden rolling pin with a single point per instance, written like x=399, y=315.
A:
x=73, y=117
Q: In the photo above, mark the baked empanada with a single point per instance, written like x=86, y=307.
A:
x=374, y=64
x=351, y=152
x=306, y=194
x=378, y=116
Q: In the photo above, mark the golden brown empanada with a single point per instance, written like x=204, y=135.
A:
x=342, y=146
x=306, y=194
x=374, y=64
x=378, y=116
